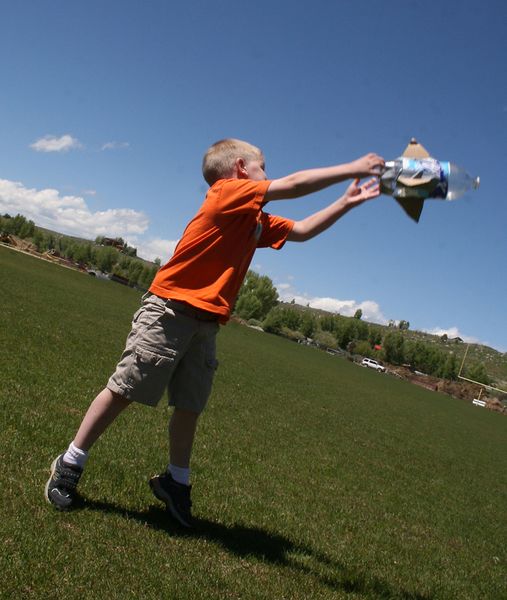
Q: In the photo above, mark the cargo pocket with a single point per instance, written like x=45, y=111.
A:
x=150, y=375
x=148, y=357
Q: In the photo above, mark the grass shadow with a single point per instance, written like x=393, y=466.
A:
x=268, y=547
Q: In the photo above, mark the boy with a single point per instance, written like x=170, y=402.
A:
x=172, y=341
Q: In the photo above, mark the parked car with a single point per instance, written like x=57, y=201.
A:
x=373, y=364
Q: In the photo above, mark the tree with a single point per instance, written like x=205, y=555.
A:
x=134, y=272
x=282, y=316
x=124, y=262
x=403, y=325
x=129, y=251
x=59, y=243
x=449, y=369
x=394, y=348
x=364, y=349
x=273, y=322
x=27, y=229
x=50, y=241
x=38, y=240
x=248, y=306
x=106, y=257
x=146, y=277
x=374, y=336
x=82, y=253
x=6, y=224
x=331, y=323
x=262, y=288
x=17, y=224
x=477, y=372
x=431, y=360
x=347, y=332
x=308, y=324
x=70, y=250
x=361, y=330
x=358, y=314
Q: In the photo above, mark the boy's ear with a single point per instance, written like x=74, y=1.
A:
x=240, y=168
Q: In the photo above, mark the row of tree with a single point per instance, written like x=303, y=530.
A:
x=108, y=259
x=18, y=226
x=258, y=303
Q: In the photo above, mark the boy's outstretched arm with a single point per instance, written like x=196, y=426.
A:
x=323, y=219
x=312, y=180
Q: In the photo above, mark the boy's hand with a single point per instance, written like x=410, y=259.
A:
x=370, y=164
x=323, y=219
x=357, y=194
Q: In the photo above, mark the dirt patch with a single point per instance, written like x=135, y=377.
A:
x=462, y=390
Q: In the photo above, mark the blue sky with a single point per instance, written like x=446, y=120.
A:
x=108, y=106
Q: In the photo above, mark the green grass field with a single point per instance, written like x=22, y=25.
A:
x=313, y=478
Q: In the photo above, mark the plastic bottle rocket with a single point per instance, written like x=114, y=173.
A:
x=415, y=177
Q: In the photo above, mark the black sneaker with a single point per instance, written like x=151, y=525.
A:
x=175, y=495
x=61, y=486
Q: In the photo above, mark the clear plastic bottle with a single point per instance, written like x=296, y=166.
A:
x=458, y=181
x=445, y=180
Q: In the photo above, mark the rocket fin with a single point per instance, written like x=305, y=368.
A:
x=413, y=207
x=415, y=150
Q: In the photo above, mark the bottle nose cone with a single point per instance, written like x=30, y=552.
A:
x=477, y=182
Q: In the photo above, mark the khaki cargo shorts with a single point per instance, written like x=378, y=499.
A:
x=171, y=346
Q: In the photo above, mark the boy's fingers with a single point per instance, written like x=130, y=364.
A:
x=370, y=183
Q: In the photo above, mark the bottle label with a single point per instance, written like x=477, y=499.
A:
x=437, y=171
x=421, y=167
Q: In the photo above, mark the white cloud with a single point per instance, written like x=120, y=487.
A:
x=154, y=248
x=72, y=216
x=452, y=332
x=115, y=146
x=69, y=214
x=283, y=288
x=50, y=143
x=371, y=310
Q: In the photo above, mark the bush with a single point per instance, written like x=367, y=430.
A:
x=477, y=372
x=295, y=336
x=254, y=323
x=282, y=316
x=325, y=339
x=364, y=349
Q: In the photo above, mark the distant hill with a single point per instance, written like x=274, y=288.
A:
x=495, y=362
x=81, y=240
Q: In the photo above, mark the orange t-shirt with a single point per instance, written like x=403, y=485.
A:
x=215, y=251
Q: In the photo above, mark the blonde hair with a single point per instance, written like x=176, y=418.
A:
x=218, y=162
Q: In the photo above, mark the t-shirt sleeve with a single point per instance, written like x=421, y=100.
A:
x=274, y=231
x=241, y=195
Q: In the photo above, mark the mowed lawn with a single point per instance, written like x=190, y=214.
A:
x=313, y=478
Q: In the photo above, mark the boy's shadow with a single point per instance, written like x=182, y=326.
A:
x=268, y=547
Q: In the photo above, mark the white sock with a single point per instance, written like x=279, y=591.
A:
x=75, y=457
x=179, y=474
